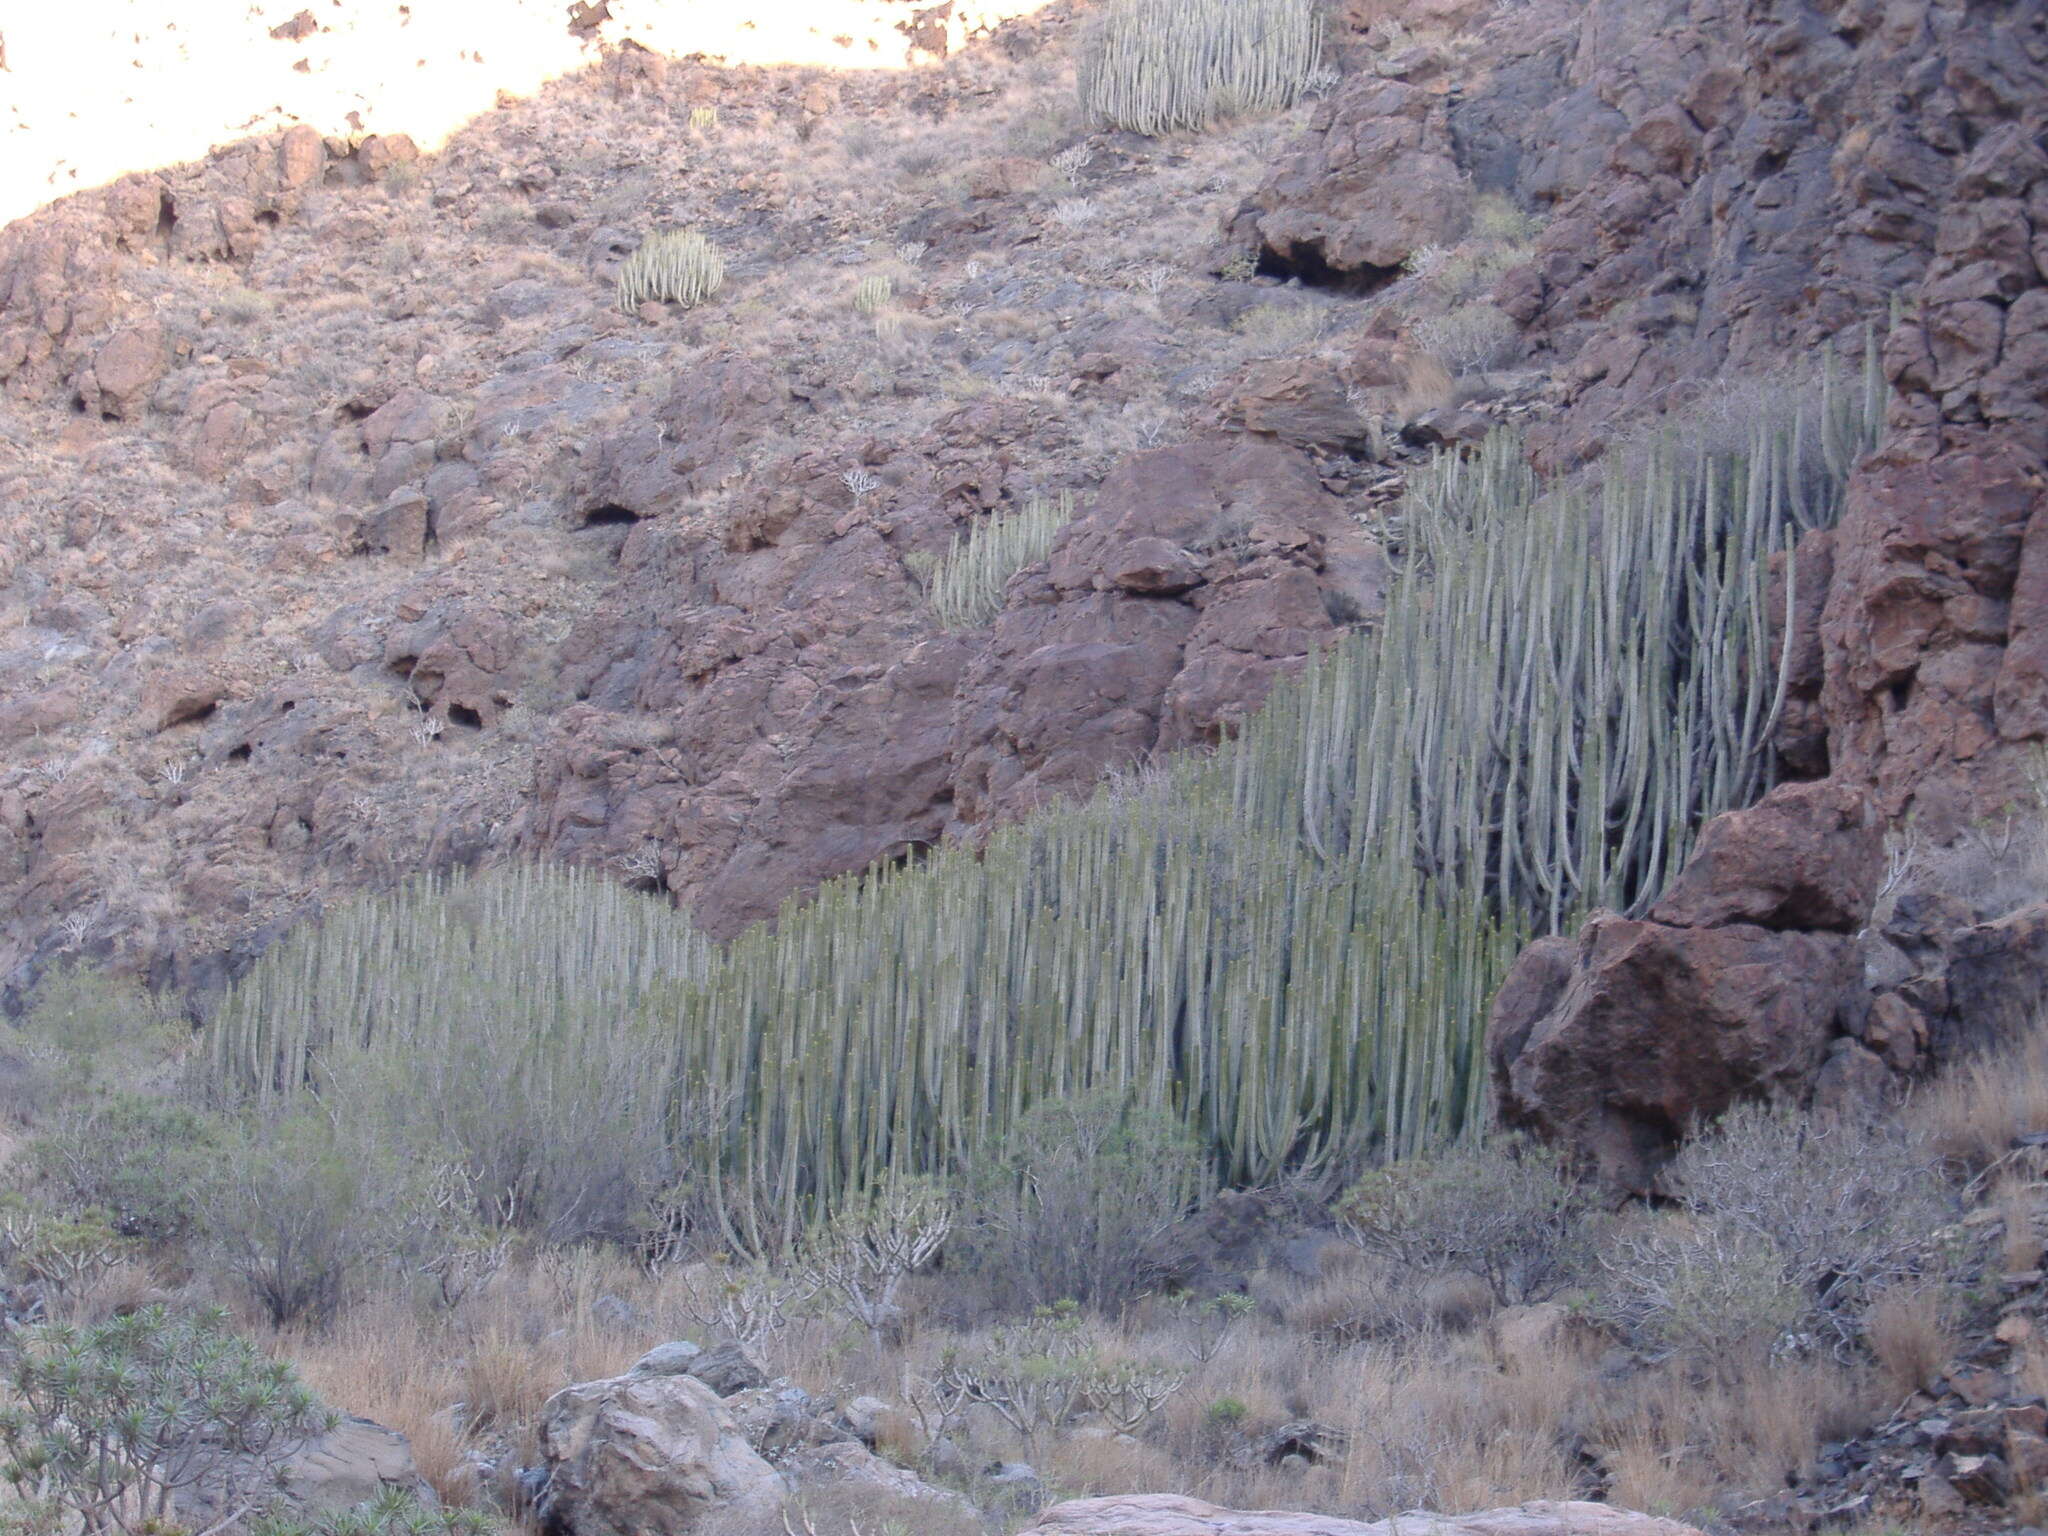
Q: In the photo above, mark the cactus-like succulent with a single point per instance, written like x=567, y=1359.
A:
x=1288, y=944
x=673, y=266
x=1161, y=66
x=965, y=588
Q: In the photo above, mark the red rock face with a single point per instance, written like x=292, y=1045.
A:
x=786, y=710
x=1929, y=639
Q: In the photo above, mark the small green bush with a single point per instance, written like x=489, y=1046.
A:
x=86, y=1030
x=53, y=1253
x=673, y=266
x=1511, y=1211
x=1159, y=66
x=134, y=1157
x=110, y=1421
x=1226, y=1413
x=965, y=589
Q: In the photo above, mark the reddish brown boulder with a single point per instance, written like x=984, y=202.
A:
x=1376, y=179
x=178, y=697
x=125, y=367
x=1805, y=856
x=1297, y=400
x=1657, y=1028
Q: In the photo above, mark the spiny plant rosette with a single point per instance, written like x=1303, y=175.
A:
x=1161, y=66
x=111, y=1421
x=1289, y=944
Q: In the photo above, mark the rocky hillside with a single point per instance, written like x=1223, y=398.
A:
x=349, y=529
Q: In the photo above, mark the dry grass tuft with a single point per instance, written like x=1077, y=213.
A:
x=1911, y=1337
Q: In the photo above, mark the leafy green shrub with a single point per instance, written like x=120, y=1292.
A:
x=965, y=589
x=1511, y=1211
x=1158, y=66
x=1226, y=1413
x=110, y=1421
x=673, y=266
x=85, y=1030
x=303, y=1216
x=1070, y=1201
x=136, y=1158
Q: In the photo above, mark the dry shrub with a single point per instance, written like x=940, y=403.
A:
x=380, y=1364
x=850, y=1509
x=1437, y=1428
x=124, y=1287
x=505, y=1380
x=2017, y=1203
x=1976, y=1112
x=1910, y=1336
x=1678, y=1443
x=1512, y=1213
x=1095, y=1465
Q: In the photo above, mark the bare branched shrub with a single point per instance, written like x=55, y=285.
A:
x=1789, y=1226
x=1040, y=1374
x=864, y=1254
x=1707, y=1290
x=1069, y=1203
x=1471, y=336
x=1510, y=1211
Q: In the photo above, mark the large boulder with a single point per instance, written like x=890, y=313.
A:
x=1620, y=1047
x=1160, y=1514
x=1737, y=986
x=1375, y=180
x=1805, y=856
x=646, y=1456
x=355, y=1463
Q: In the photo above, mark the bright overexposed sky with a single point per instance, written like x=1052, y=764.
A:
x=93, y=89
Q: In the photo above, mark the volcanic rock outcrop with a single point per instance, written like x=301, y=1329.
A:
x=1863, y=148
